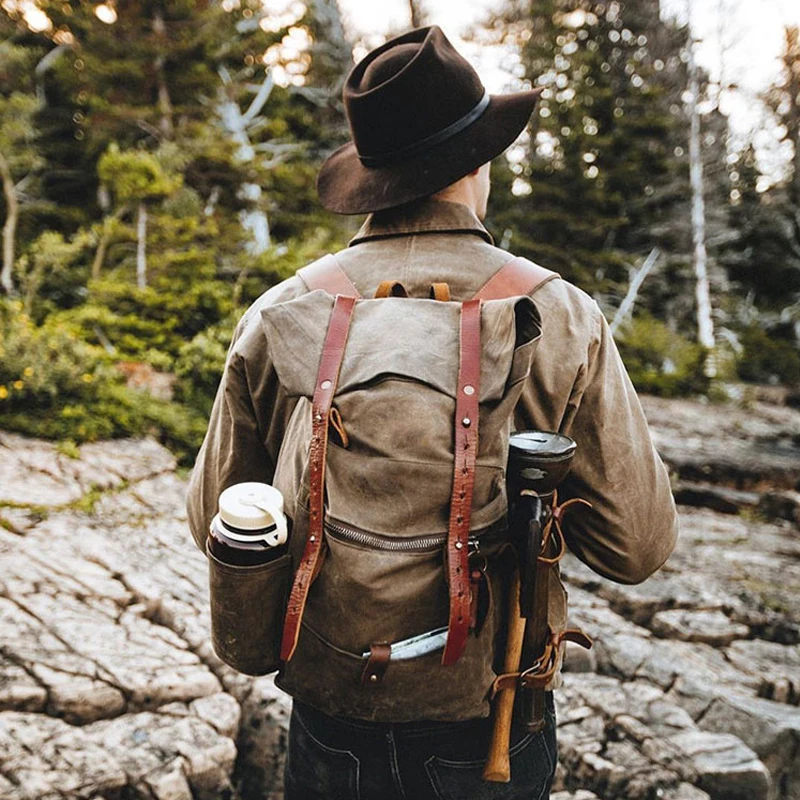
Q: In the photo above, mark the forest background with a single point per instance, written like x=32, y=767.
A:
x=158, y=163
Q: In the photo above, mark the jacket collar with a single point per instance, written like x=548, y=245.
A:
x=424, y=216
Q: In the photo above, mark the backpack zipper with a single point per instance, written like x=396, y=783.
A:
x=410, y=544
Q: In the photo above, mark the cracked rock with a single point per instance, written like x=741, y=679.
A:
x=109, y=688
x=711, y=627
x=726, y=768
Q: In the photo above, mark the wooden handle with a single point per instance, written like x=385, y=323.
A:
x=498, y=765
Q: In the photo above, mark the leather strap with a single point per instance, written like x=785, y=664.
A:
x=541, y=672
x=518, y=277
x=328, y=275
x=390, y=289
x=377, y=664
x=466, y=450
x=440, y=292
x=327, y=378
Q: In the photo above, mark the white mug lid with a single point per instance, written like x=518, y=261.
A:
x=251, y=506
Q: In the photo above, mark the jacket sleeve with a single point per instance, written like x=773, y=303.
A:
x=247, y=419
x=633, y=526
x=233, y=450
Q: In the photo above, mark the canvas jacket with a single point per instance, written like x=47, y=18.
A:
x=578, y=386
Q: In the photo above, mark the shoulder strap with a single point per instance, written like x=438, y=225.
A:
x=328, y=275
x=516, y=277
x=466, y=451
x=327, y=378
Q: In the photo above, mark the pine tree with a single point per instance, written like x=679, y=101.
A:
x=599, y=167
x=765, y=260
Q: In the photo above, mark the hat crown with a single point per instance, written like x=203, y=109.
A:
x=409, y=90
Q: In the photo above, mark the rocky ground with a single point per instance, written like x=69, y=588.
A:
x=109, y=688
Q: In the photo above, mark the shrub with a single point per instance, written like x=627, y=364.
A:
x=199, y=366
x=661, y=361
x=768, y=358
x=55, y=386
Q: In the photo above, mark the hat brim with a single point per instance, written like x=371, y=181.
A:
x=346, y=186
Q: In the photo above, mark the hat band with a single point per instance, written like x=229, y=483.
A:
x=417, y=148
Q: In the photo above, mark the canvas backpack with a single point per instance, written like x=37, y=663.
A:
x=397, y=495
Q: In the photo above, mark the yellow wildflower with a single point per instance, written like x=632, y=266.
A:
x=18, y=384
x=3, y=392
x=27, y=372
x=86, y=377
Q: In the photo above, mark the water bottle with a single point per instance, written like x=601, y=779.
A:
x=250, y=528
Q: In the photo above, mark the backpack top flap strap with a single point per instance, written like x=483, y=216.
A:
x=466, y=449
x=327, y=378
x=328, y=275
x=516, y=277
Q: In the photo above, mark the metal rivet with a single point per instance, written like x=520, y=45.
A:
x=466, y=422
x=325, y=385
x=459, y=545
x=469, y=389
x=373, y=678
x=312, y=538
x=318, y=418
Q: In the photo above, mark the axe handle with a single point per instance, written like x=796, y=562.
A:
x=498, y=764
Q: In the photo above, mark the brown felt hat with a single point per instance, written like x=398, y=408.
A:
x=420, y=119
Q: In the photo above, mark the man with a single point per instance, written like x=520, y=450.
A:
x=424, y=131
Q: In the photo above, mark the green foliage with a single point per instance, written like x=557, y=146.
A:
x=134, y=322
x=768, y=359
x=659, y=360
x=17, y=136
x=138, y=113
x=199, y=366
x=53, y=272
x=56, y=386
x=135, y=175
x=584, y=193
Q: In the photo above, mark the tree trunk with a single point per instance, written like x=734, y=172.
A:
x=626, y=306
x=105, y=240
x=141, y=242
x=254, y=219
x=705, y=323
x=417, y=15
x=9, y=228
x=164, y=101
x=792, y=117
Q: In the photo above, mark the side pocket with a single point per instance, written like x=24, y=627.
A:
x=247, y=610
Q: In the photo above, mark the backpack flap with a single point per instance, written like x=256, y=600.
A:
x=407, y=337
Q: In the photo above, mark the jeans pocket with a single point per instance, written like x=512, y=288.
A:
x=533, y=762
x=317, y=771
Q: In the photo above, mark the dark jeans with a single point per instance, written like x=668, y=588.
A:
x=330, y=758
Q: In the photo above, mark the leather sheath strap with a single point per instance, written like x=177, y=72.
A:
x=466, y=450
x=539, y=674
x=377, y=664
x=390, y=289
x=516, y=277
x=537, y=632
x=327, y=378
x=547, y=644
x=327, y=274
x=440, y=292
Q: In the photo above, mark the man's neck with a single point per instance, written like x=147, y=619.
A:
x=459, y=193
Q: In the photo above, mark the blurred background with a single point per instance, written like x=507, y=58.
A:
x=158, y=162
x=158, y=165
